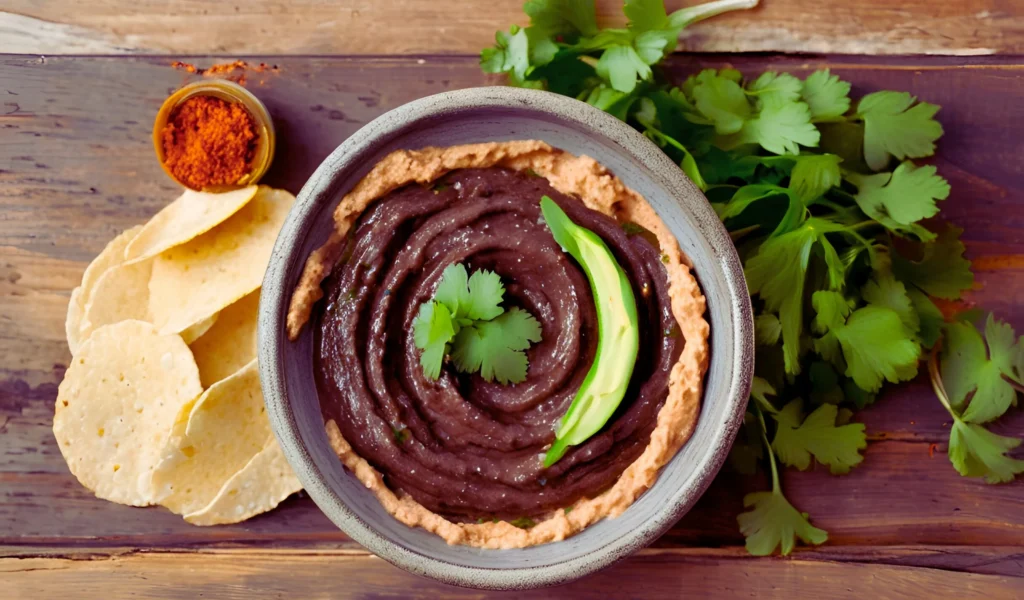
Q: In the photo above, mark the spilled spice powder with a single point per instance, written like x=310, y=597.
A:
x=209, y=142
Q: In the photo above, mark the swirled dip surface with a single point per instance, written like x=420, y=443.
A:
x=459, y=446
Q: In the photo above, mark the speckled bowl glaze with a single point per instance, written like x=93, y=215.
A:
x=500, y=114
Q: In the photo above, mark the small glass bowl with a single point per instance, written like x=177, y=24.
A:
x=230, y=92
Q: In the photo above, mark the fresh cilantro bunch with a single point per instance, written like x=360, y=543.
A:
x=834, y=223
x=465, y=321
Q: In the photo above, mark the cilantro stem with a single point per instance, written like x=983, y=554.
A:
x=776, y=488
x=668, y=139
x=685, y=17
x=739, y=233
x=862, y=224
x=936, y=380
x=872, y=254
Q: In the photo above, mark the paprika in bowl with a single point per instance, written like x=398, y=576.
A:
x=214, y=136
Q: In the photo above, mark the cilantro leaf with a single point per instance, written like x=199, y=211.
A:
x=838, y=447
x=815, y=174
x=929, y=315
x=967, y=368
x=749, y=194
x=781, y=128
x=942, y=272
x=767, y=329
x=877, y=347
x=562, y=17
x=903, y=197
x=885, y=290
x=831, y=310
x=485, y=293
x=777, y=274
x=646, y=14
x=977, y=452
x=721, y=100
x=775, y=88
x=453, y=291
x=496, y=347
x=870, y=344
x=760, y=389
x=893, y=128
x=510, y=54
x=826, y=95
x=610, y=100
x=772, y=521
x=855, y=394
x=432, y=330
x=622, y=67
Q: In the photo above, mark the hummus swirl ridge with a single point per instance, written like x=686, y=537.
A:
x=450, y=455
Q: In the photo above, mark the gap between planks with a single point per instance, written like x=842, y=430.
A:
x=992, y=573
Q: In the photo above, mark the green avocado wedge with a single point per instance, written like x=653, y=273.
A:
x=618, y=334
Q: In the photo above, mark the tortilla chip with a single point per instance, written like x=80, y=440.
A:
x=111, y=256
x=73, y=322
x=223, y=431
x=122, y=293
x=231, y=343
x=191, y=215
x=199, y=330
x=219, y=267
x=117, y=405
x=258, y=487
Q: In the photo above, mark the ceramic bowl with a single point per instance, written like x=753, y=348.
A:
x=500, y=114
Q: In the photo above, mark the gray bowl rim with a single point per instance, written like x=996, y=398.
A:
x=283, y=269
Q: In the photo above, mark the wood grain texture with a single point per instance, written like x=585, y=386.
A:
x=76, y=167
x=674, y=573
x=964, y=27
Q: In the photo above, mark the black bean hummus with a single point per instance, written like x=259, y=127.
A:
x=459, y=456
x=460, y=446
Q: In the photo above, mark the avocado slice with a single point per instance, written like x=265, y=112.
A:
x=618, y=338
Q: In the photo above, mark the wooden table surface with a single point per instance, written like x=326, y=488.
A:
x=77, y=167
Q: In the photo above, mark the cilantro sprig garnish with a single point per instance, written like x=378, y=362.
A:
x=835, y=224
x=465, y=322
x=772, y=521
x=978, y=382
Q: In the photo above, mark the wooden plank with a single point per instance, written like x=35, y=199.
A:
x=76, y=167
x=324, y=573
x=983, y=560
x=964, y=27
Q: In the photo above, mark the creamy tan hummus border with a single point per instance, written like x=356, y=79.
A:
x=600, y=190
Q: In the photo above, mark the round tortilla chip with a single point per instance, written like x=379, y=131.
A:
x=224, y=429
x=117, y=405
x=73, y=322
x=219, y=267
x=260, y=486
x=191, y=215
x=120, y=294
x=231, y=343
x=111, y=256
